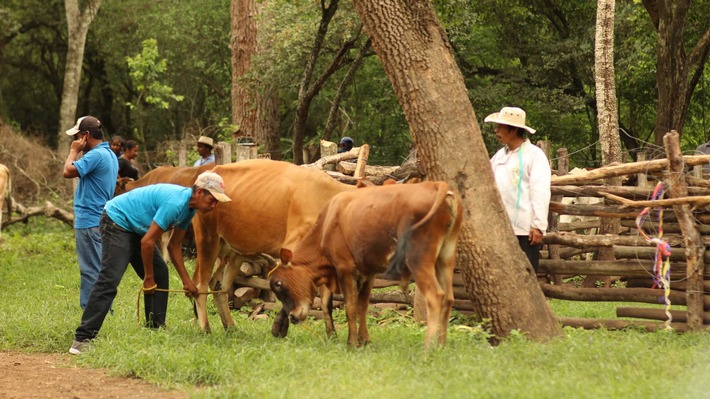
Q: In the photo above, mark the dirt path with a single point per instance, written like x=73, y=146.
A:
x=53, y=376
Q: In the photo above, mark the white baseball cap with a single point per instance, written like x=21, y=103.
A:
x=213, y=183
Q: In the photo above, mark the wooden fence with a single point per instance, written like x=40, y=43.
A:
x=569, y=247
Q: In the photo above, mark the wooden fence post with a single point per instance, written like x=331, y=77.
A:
x=328, y=148
x=362, y=161
x=182, y=154
x=554, y=250
x=694, y=247
x=642, y=178
x=246, y=151
x=222, y=153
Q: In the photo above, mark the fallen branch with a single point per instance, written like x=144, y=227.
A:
x=48, y=210
x=334, y=159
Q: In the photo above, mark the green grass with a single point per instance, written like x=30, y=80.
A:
x=39, y=309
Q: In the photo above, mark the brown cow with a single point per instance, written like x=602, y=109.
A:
x=182, y=176
x=413, y=227
x=5, y=191
x=274, y=204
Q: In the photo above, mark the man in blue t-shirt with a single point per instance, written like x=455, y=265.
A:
x=130, y=229
x=97, y=171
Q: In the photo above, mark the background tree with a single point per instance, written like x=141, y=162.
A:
x=254, y=104
x=146, y=70
x=678, y=71
x=543, y=64
x=416, y=55
x=78, y=23
x=605, y=85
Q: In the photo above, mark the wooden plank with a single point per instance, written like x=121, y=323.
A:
x=639, y=295
x=614, y=170
x=362, y=161
x=615, y=324
x=631, y=268
x=679, y=316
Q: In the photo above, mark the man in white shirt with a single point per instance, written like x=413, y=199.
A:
x=522, y=174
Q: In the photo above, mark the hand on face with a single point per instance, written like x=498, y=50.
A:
x=79, y=142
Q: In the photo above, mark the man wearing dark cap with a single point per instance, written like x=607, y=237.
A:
x=346, y=144
x=97, y=170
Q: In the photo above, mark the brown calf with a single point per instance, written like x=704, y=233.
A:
x=412, y=227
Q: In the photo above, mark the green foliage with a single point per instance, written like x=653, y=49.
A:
x=536, y=55
x=146, y=70
x=41, y=311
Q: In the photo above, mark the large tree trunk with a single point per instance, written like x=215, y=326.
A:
x=677, y=73
x=607, y=117
x=243, y=43
x=78, y=26
x=416, y=55
x=254, y=112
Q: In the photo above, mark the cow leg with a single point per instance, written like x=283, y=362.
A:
x=164, y=240
x=222, y=281
x=350, y=293
x=363, y=301
x=207, y=250
x=445, y=264
x=426, y=280
x=326, y=298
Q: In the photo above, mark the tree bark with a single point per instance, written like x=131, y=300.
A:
x=255, y=112
x=694, y=247
x=607, y=119
x=243, y=42
x=78, y=26
x=414, y=50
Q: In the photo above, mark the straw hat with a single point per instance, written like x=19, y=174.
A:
x=511, y=116
x=206, y=141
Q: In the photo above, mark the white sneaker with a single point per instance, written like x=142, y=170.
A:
x=77, y=347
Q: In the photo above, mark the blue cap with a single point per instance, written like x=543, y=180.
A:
x=346, y=144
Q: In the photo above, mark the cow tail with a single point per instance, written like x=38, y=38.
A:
x=397, y=268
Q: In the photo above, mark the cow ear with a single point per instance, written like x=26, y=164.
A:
x=286, y=256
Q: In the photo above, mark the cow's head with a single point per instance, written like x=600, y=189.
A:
x=121, y=183
x=295, y=286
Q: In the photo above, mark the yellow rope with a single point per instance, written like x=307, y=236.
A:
x=138, y=305
x=312, y=331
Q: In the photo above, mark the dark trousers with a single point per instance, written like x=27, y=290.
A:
x=531, y=251
x=119, y=248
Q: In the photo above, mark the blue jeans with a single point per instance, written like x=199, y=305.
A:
x=121, y=247
x=88, y=251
